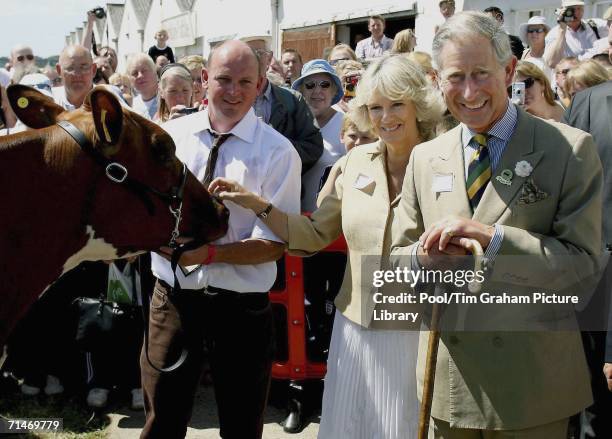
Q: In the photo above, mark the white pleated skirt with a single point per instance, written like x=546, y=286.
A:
x=370, y=386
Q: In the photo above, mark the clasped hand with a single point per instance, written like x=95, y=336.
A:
x=444, y=240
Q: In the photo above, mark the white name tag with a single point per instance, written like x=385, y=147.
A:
x=363, y=181
x=442, y=183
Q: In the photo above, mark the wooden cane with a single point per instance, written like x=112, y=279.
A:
x=434, y=342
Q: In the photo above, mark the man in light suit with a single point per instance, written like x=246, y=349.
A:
x=591, y=111
x=520, y=186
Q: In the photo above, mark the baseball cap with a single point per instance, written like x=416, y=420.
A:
x=39, y=82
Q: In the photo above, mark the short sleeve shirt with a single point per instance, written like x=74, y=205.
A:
x=261, y=160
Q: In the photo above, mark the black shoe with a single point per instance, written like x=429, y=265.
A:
x=295, y=421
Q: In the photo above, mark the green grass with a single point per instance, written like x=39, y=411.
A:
x=79, y=420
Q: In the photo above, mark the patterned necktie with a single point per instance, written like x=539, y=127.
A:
x=212, y=158
x=479, y=170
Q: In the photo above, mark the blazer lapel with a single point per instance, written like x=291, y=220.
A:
x=379, y=172
x=498, y=196
x=278, y=111
x=450, y=162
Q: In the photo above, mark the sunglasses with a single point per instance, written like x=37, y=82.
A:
x=536, y=31
x=29, y=57
x=562, y=72
x=312, y=84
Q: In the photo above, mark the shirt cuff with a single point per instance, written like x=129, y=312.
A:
x=495, y=244
x=414, y=260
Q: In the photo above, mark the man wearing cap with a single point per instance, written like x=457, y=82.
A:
x=603, y=45
x=321, y=87
x=285, y=110
x=377, y=43
x=572, y=36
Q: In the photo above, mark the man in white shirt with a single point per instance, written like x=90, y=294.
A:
x=224, y=302
x=376, y=44
x=572, y=36
x=603, y=45
x=77, y=69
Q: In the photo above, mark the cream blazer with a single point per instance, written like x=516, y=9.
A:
x=359, y=207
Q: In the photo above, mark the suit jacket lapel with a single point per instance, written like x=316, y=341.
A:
x=450, y=162
x=498, y=196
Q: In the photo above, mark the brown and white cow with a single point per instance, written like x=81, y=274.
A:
x=59, y=206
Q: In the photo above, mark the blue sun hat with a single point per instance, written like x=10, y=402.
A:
x=320, y=66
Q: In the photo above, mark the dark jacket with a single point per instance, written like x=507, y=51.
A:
x=291, y=117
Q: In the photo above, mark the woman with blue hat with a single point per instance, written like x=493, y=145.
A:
x=321, y=88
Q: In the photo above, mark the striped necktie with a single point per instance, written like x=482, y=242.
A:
x=479, y=170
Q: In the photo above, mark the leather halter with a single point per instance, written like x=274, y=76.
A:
x=117, y=173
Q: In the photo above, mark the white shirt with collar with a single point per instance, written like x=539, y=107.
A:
x=577, y=42
x=369, y=48
x=261, y=160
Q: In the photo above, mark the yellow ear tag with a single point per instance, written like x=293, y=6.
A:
x=23, y=102
x=106, y=133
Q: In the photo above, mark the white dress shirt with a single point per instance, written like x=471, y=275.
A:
x=577, y=42
x=262, y=161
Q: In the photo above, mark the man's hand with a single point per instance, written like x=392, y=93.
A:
x=189, y=257
x=436, y=259
x=442, y=232
x=607, y=370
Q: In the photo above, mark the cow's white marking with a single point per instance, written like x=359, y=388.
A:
x=94, y=250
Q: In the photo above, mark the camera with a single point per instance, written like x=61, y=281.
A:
x=518, y=93
x=350, y=82
x=188, y=110
x=566, y=15
x=98, y=12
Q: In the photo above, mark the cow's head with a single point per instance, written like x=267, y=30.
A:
x=128, y=218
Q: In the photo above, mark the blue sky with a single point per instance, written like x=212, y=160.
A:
x=42, y=24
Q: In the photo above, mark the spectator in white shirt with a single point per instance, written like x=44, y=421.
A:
x=572, y=36
x=321, y=87
x=376, y=44
x=533, y=33
x=603, y=45
x=143, y=74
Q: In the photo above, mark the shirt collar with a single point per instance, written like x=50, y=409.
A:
x=502, y=129
x=245, y=129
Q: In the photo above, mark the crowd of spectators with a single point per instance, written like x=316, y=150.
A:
x=307, y=101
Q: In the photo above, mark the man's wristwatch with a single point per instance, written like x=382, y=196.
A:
x=264, y=213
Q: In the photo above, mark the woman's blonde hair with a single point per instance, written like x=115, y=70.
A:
x=587, y=73
x=193, y=61
x=163, y=112
x=342, y=46
x=404, y=41
x=397, y=78
x=423, y=59
x=530, y=70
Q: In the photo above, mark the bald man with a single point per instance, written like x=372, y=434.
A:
x=223, y=302
x=21, y=57
x=77, y=70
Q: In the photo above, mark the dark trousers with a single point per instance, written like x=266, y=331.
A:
x=238, y=331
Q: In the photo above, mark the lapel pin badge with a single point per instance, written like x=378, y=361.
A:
x=505, y=177
x=523, y=169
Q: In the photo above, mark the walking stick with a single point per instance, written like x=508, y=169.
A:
x=434, y=343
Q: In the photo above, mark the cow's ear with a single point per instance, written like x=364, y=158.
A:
x=32, y=107
x=107, y=114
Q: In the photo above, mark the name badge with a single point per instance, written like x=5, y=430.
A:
x=442, y=183
x=363, y=181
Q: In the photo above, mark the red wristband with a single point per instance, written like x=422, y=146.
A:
x=212, y=251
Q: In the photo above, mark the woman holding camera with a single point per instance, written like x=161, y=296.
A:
x=370, y=386
x=175, y=92
x=539, y=97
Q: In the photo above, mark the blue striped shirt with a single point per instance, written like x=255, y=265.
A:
x=500, y=134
